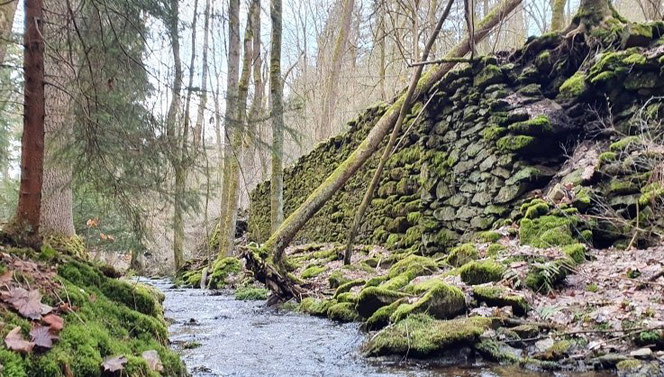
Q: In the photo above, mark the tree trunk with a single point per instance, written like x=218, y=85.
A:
x=32, y=141
x=7, y=12
x=330, y=95
x=382, y=37
x=200, y=116
x=172, y=120
x=230, y=117
x=56, y=211
x=277, y=103
x=282, y=237
x=227, y=232
x=403, y=112
x=558, y=15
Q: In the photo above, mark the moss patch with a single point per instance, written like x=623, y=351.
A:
x=480, y=272
x=420, y=336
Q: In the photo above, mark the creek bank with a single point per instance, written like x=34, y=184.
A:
x=70, y=317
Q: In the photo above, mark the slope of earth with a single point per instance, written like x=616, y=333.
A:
x=61, y=315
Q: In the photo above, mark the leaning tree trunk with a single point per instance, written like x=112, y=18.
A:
x=59, y=67
x=403, y=112
x=277, y=102
x=32, y=141
x=7, y=12
x=283, y=236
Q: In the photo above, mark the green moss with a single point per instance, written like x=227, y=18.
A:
x=631, y=365
x=251, y=293
x=347, y=286
x=480, y=272
x=635, y=59
x=607, y=157
x=414, y=217
x=314, y=306
x=222, y=269
x=576, y=251
x=548, y=231
x=371, y=299
x=624, y=143
x=397, y=282
x=517, y=143
x=381, y=317
x=651, y=193
x=495, y=249
x=462, y=254
x=493, y=133
x=336, y=279
x=342, y=312
x=413, y=266
x=535, y=208
x=488, y=236
x=543, y=277
x=440, y=301
x=500, y=296
x=313, y=271
x=491, y=74
x=420, y=336
x=134, y=295
x=574, y=86
x=538, y=126
x=347, y=297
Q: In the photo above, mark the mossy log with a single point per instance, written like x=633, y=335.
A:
x=280, y=284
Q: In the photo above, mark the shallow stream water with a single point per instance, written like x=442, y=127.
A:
x=245, y=338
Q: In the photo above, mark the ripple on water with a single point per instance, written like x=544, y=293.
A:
x=244, y=338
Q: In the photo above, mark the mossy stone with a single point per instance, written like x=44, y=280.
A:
x=342, y=312
x=480, y=272
x=462, y=254
x=413, y=265
x=441, y=301
x=420, y=336
x=371, y=299
x=499, y=296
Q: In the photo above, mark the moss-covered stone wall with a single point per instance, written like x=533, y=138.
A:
x=539, y=122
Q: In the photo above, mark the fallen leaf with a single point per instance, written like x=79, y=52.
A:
x=153, y=360
x=42, y=337
x=55, y=322
x=27, y=303
x=15, y=342
x=114, y=364
x=45, y=309
x=6, y=277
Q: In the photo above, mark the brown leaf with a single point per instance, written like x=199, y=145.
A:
x=42, y=337
x=27, y=303
x=15, y=342
x=153, y=360
x=6, y=277
x=114, y=364
x=54, y=321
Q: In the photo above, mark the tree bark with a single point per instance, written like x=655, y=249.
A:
x=32, y=141
x=200, y=116
x=330, y=95
x=227, y=232
x=172, y=120
x=230, y=117
x=558, y=15
x=277, y=103
x=56, y=211
x=282, y=237
x=7, y=12
x=403, y=112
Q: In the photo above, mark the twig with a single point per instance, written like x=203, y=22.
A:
x=442, y=60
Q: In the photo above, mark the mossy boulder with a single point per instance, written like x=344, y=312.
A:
x=222, y=269
x=499, y=296
x=462, y=254
x=413, y=266
x=381, y=317
x=251, y=293
x=371, y=299
x=548, y=231
x=315, y=306
x=422, y=336
x=480, y=272
x=342, y=312
x=313, y=271
x=439, y=300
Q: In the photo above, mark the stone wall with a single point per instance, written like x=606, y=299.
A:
x=547, y=121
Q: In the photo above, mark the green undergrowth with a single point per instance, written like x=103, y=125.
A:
x=110, y=317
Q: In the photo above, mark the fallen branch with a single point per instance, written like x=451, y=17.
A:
x=442, y=60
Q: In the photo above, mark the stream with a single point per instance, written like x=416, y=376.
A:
x=246, y=338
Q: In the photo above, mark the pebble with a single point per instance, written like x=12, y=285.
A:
x=641, y=353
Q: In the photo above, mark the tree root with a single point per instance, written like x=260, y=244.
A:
x=282, y=286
